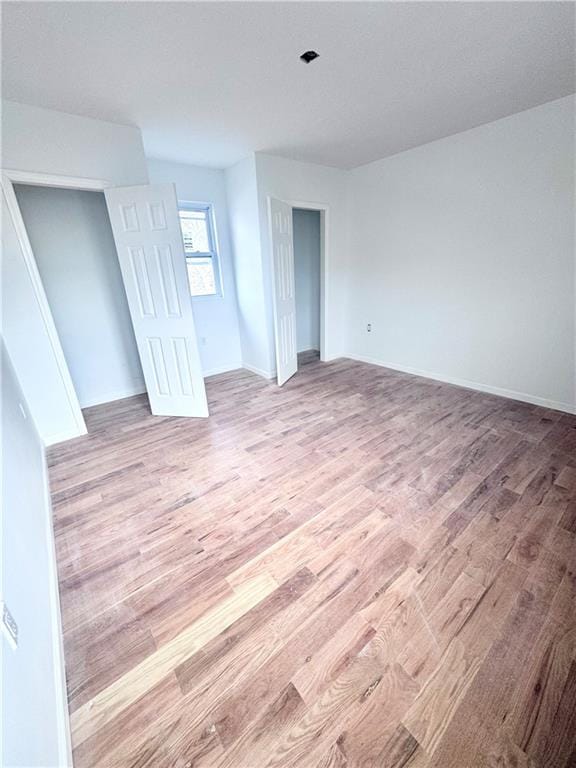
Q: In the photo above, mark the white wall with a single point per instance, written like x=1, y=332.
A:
x=75, y=253
x=34, y=708
x=257, y=343
x=45, y=141
x=306, y=226
x=308, y=183
x=215, y=317
x=461, y=255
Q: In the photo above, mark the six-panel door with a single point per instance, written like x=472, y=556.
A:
x=284, y=298
x=148, y=238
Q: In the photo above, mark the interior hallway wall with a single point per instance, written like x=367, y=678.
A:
x=75, y=253
x=306, y=226
x=215, y=317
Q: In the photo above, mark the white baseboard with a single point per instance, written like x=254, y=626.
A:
x=222, y=369
x=60, y=437
x=117, y=394
x=56, y=633
x=137, y=388
x=260, y=371
x=489, y=389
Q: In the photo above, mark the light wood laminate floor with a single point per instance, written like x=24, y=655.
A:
x=361, y=569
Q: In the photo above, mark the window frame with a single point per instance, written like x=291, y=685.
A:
x=213, y=254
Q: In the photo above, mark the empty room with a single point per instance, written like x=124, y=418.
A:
x=288, y=340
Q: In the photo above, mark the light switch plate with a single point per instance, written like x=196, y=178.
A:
x=9, y=626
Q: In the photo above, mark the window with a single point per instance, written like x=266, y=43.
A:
x=200, y=249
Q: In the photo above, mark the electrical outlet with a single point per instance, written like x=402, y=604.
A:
x=9, y=626
x=369, y=327
x=203, y=340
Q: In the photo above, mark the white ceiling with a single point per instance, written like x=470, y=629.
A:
x=210, y=82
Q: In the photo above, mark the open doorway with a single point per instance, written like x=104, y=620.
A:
x=71, y=237
x=306, y=228
x=298, y=246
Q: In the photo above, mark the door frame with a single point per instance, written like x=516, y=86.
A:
x=9, y=178
x=324, y=211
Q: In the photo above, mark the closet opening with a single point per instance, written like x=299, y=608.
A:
x=75, y=254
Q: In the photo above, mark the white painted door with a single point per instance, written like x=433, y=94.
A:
x=284, y=300
x=148, y=239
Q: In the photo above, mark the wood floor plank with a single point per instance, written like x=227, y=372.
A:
x=333, y=759
x=560, y=748
x=256, y=743
x=361, y=569
x=367, y=737
x=424, y=651
x=323, y=667
x=351, y=591
x=330, y=714
x=430, y=714
x=142, y=677
x=540, y=688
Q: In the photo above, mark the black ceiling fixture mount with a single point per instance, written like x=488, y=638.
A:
x=309, y=56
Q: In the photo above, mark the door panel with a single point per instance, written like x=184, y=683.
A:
x=284, y=298
x=148, y=239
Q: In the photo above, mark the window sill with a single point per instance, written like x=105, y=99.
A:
x=207, y=297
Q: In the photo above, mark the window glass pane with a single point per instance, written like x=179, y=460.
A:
x=194, y=226
x=201, y=277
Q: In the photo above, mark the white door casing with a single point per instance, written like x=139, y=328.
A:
x=146, y=229
x=281, y=241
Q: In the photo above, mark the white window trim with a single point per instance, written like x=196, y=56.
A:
x=214, y=254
